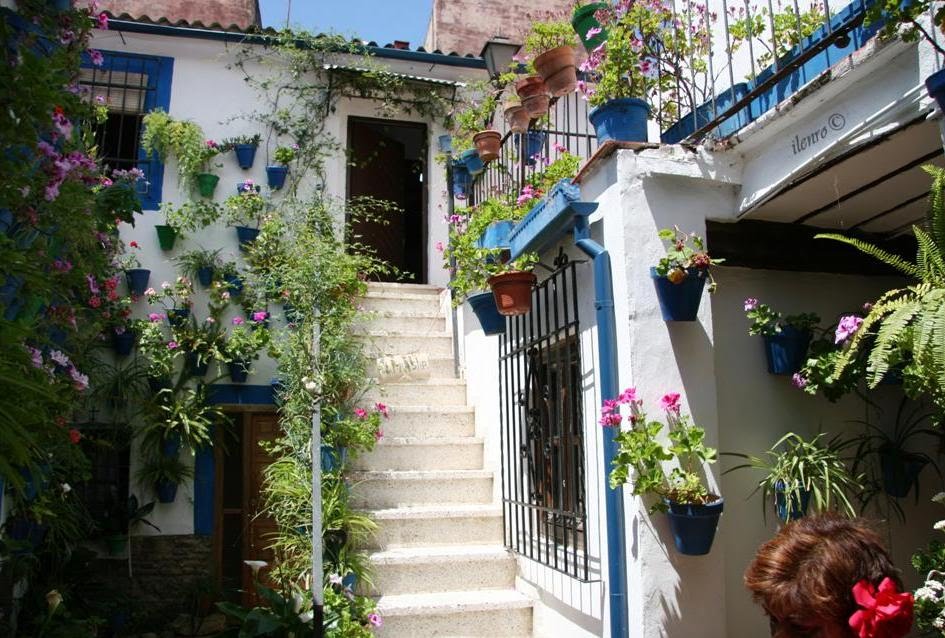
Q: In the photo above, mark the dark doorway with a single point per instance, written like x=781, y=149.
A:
x=388, y=161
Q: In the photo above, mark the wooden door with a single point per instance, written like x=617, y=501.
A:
x=259, y=529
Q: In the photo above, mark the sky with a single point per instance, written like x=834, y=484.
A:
x=382, y=21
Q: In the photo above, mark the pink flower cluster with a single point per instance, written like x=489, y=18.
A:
x=847, y=327
x=60, y=167
x=59, y=360
x=610, y=410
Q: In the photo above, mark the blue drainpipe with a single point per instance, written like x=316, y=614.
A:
x=607, y=353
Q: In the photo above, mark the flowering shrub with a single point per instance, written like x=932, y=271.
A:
x=768, y=322
x=545, y=35
x=244, y=343
x=930, y=597
x=685, y=253
x=639, y=450
x=244, y=209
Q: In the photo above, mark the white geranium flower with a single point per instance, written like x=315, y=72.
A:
x=256, y=565
x=939, y=525
x=66, y=488
x=939, y=498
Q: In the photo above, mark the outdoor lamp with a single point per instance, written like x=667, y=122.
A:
x=498, y=53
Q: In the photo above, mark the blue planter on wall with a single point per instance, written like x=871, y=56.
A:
x=496, y=235
x=900, y=472
x=276, y=176
x=935, y=85
x=796, y=510
x=333, y=458
x=245, y=155
x=694, y=526
x=205, y=276
x=177, y=316
x=235, y=284
x=622, y=120
x=239, y=371
x=123, y=343
x=166, y=491
x=461, y=180
x=246, y=236
x=197, y=366
x=534, y=144
x=786, y=352
x=680, y=302
x=137, y=280
x=483, y=305
x=472, y=161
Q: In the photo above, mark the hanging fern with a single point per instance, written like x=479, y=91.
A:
x=909, y=323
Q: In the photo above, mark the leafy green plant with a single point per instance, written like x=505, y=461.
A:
x=800, y=468
x=229, y=143
x=685, y=252
x=906, y=322
x=906, y=20
x=768, y=322
x=166, y=137
x=191, y=216
x=790, y=28
x=244, y=343
x=185, y=412
x=549, y=34
x=284, y=155
x=158, y=468
x=639, y=450
x=244, y=209
x=190, y=262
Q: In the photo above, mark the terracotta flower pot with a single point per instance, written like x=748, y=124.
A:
x=517, y=118
x=534, y=95
x=558, y=68
x=488, y=144
x=513, y=292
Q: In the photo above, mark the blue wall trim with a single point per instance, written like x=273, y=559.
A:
x=238, y=394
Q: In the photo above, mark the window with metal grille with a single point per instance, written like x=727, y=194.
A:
x=543, y=481
x=129, y=86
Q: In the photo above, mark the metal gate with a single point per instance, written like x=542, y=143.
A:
x=543, y=481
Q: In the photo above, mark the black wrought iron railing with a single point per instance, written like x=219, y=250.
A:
x=542, y=427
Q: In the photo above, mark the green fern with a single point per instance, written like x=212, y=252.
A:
x=897, y=262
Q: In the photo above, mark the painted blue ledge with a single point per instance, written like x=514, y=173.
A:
x=550, y=219
x=239, y=394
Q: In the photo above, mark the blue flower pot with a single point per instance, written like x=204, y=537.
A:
x=6, y=220
x=621, y=120
x=235, y=284
x=26, y=531
x=472, y=161
x=170, y=447
x=483, y=305
x=787, y=351
x=333, y=458
x=276, y=176
x=245, y=155
x=496, y=235
x=694, y=526
x=900, y=471
x=205, y=276
x=166, y=491
x=9, y=296
x=239, y=371
x=935, y=85
x=350, y=581
x=243, y=187
x=534, y=144
x=137, y=280
x=461, y=180
x=177, y=316
x=123, y=343
x=680, y=302
x=796, y=510
x=196, y=366
x=246, y=236
x=156, y=384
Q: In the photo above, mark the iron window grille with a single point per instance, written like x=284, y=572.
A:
x=129, y=86
x=543, y=477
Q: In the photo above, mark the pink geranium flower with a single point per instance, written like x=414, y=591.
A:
x=361, y=413
x=670, y=402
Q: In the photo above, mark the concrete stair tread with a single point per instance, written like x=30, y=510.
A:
x=439, y=554
x=396, y=294
x=418, y=475
x=379, y=315
x=413, y=441
x=389, y=334
x=419, y=288
x=404, y=408
x=453, y=510
x=452, y=602
x=440, y=381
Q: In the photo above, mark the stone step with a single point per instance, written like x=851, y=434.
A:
x=395, y=488
x=431, y=392
x=385, y=301
x=412, y=453
x=503, y=613
x=437, y=368
x=405, y=322
x=423, y=422
x=437, y=525
x=437, y=569
x=385, y=342
x=417, y=289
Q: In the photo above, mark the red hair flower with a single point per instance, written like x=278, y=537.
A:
x=883, y=612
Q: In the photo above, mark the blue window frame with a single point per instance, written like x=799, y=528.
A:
x=130, y=85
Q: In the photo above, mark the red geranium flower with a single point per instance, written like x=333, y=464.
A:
x=883, y=613
x=75, y=436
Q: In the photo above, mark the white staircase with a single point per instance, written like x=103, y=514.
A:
x=440, y=568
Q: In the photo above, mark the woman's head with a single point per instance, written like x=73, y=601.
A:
x=804, y=576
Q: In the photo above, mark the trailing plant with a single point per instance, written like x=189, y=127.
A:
x=789, y=29
x=191, y=216
x=905, y=323
x=768, y=322
x=165, y=137
x=639, y=450
x=244, y=343
x=907, y=20
x=802, y=469
x=685, y=255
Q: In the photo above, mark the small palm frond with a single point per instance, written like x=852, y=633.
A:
x=888, y=258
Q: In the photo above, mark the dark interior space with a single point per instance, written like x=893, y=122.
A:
x=387, y=163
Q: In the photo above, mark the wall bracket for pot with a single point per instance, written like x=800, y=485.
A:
x=550, y=219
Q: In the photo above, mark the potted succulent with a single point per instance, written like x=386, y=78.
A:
x=135, y=276
x=551, y=44
x=587, y=26
x=242, y=347
x=244, y=146
x=276, y=173
x=681, y=274
x=692, y=510
x=786, y=339
x=200, y=264
x=798, y=471
x=244, y=212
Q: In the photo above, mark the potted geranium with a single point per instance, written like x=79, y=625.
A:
x=157, y=349
x=786, y=338
x=276, y=173
x=551, y=44
x=206, y=180
x=681, y=493
x=798, y=471
x=178, y=295
x=242, y=347
x=135, y=276
x=244, y=146
x=681, y=274
x=244, y=211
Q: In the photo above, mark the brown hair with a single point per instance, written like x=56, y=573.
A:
x=806, y=573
